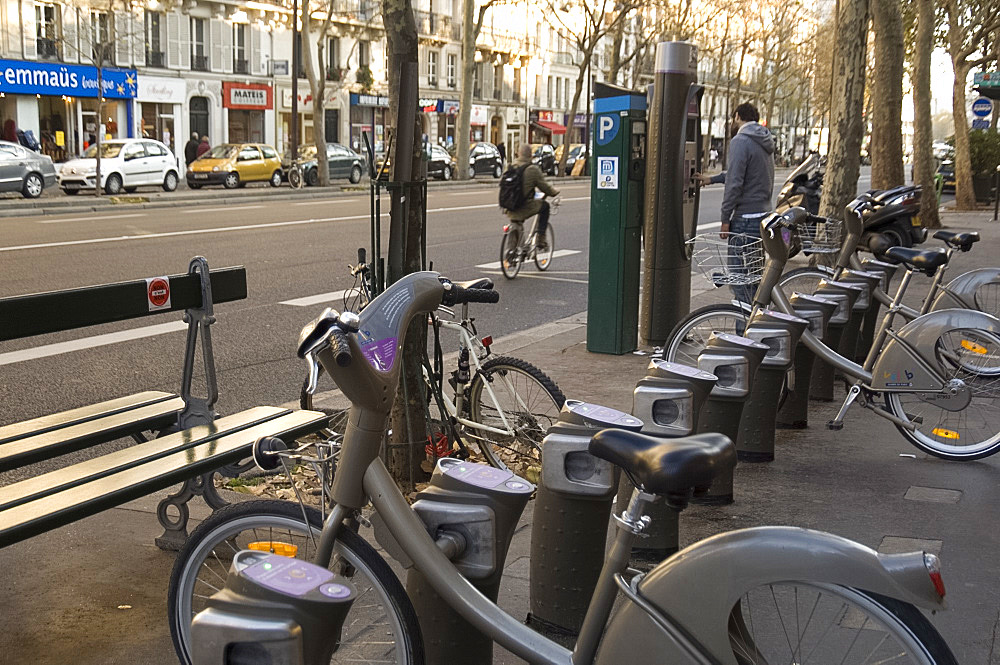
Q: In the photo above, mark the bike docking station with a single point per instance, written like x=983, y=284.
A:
x=734, y=360
x=668, y=400
x=866, y=307
x=780, y=333
x=471, y=510
x=840, y=324
x=794, y=412
x=570, y=521
x=886, y=271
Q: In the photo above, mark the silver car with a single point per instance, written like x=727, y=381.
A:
x=25, y=171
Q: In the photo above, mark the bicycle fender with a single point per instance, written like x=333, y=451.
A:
x=908, y=361
x=698, y=587
x=961, y=291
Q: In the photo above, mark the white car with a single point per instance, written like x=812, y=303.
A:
x=125, y=165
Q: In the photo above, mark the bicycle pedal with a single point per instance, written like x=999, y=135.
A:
x=835, y=425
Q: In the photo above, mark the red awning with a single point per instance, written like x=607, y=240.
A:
x=553, y=127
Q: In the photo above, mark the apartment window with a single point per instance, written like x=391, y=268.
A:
x=47, y=31
x=538, y=89
x=477, y=81
x=153, y=25
x=333, y=59
x=497, y=81
x=199, y=49
x=100, y=37
x=364, y=54
x=559, y=89
x=566, y=92
x=517, y=83
x=548, y=92
x=452, y=70
x=432, y=67
x=241, y=64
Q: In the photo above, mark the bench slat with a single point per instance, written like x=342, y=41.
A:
x=72, y=504
x=83, y=414
x=55, y=311
x=90, y=470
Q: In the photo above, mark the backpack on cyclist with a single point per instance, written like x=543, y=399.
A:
x=512, y=196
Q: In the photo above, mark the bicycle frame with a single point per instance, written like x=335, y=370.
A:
x=522, y=245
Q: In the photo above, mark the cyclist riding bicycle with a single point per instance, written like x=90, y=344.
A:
x=531, y=179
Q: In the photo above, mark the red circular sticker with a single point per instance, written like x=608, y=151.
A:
x=158, y=292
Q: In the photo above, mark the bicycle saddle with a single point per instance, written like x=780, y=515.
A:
x=958, y=240
x=670, y=467
x=483, y=283
x=925, y=260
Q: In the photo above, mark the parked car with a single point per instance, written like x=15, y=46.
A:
x=25, y=171
x=440, y=164
x=341, y=160
x=126, y=164
x=485, y=159
x=575, y=152
x=947, y=172
x=543, y=155
x=234, y=165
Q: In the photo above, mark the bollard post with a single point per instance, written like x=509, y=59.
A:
x=845, y=295
x=570, y=521
x=780, y=333
x=668, y=401
x=734, y=360
x=794, y=413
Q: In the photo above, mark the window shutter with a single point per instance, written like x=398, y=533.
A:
x=173, y=40
x=215, y=45
x=70, y=45
x=123, y=40
x=228, y=53
x=28, y=29
x=138, y=39
x=255, y=63
x=184, y=41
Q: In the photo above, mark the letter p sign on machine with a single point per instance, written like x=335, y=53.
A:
x=607, y=128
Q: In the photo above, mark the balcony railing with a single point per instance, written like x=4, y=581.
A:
x=156, y=58
x=430, y=24
x=562, y=58
x=47, y=48
x=199, y=63
x=241, y=66
x=358, y=10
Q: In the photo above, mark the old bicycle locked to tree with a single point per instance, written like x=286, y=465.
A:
x=706, y=605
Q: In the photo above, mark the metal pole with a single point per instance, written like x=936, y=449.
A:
x=294, y=125
x=996, y=196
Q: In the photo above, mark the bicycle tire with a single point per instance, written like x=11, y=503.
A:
x=529, y=422
x=802, y=280
x=295, y=179
x=510, y=253
x=544, y=263
x=214, y=539
x=690, y=335
x=886, y=629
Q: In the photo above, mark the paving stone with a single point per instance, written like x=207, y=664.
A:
x=932, y=494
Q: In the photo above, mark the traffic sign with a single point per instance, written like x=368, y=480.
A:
x=987, y=79
x=982, y=107
x=980, y=124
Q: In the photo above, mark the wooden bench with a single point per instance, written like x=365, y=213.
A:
x=192, y=443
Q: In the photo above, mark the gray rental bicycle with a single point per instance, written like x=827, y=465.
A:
x=762, y=595
x=517, y=248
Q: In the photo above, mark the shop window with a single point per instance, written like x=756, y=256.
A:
x=47, y=31
x=199, y=115
x=199, y=46
x=241, y=65
x=432, y=68
x=452, y=73
x=153, y=27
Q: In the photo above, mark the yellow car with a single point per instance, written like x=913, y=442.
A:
x=234, y=165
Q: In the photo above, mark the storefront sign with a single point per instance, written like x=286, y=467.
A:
x=250, y=96
x=369, y=100
x=580, y=120
x=161, y=90
x=279, y=67
x=479, y=115
x=286, y=99
x=449, y=106
x=427, y=104
x=30, y=78
x=545, y=116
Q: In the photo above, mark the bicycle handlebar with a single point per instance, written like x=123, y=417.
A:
x=456, y=295
x=339, y=347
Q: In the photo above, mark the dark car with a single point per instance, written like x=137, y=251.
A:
x=543, y=156
x=485, y=159
x=947, y=173
x=343, y=163
x=440, y=164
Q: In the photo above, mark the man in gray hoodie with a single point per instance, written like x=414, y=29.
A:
x=749, y=185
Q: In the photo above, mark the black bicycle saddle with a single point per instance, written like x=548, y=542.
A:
x=959, y=240
x=924, y=260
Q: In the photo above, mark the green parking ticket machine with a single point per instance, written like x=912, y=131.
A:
x=616, y=181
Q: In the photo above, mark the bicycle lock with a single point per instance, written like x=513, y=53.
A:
x=570, y=521
x=668, y=400
x=845, y=295
x=794, y=412
x=734, y=360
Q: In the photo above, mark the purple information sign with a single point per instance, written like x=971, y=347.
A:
x=381, y=354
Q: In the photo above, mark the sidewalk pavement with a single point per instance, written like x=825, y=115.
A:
x=94, y=591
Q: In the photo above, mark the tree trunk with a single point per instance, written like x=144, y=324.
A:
x=571, y=113
x=965, y=196
x=409, y=427
x=316, y=74
x=464, y=127
x=618, y=36
x=923, y=153
x=887, y=131
x=840, y=185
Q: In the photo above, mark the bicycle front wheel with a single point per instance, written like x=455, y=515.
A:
x=799, y=622
x=510, y=253
x=381, y=626
x=690, y=336
x=512, y=395
x=964, y=425
x=295, y=179
x=543, y=258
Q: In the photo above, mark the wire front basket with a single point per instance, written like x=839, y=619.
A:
x=736, y=260
x=821, y=235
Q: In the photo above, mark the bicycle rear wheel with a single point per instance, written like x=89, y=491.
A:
x=800, y=622
x=510, y=253
x=515, y=391
x=543, y=258
x=381, y=626
x=295, y=179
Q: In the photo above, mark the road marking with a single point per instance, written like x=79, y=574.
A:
x=537, y=276
x=316, y=203
x=556, y=254
x=83, y=218
x=47, y=350
x=219, y=209
x=308, y=301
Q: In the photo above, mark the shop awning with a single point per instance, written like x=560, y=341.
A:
x=553, y=127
